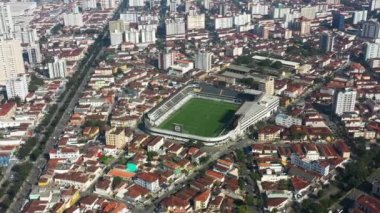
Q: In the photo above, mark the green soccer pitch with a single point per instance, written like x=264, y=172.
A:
x=202, y=117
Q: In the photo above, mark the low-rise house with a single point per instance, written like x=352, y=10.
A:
x=70, y=153
x=269, y=133
x=322, y=168
x=342, y=148
x=76, y=179
x=155, y=144
x=175, y=204
x=216, y=204
x=136, y=193
x=148, y=180
x=104, y=187
x=202, y=200
x=215, y=175
x=368, y=203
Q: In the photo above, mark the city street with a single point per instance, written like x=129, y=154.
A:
x=40, y=163
x=222, y=150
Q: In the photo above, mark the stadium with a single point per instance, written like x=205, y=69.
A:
x=207, y=113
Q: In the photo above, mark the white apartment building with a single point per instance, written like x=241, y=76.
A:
x=333, y=2
x=132, y=35
x=130, y=16
x=309, y=12
x=371, y=29
x=203, y=60
x=173, y=6
x=107, y=4
x=358, y=16
x=73, y=19
x=26, y=36
x=242, y=19
x=290, y=18
x=345, y=101
x=6, y=21
x=259, y=9
x=195, y=21
x=371, y=50
x=11, y=61
x=375, y=4
x=287, y=121
x=118, y=25
x=136, y=3
x=234, y=50
x=87, y=4
x=175, y=26
x=166, y=59
x=57, y=69
x=223, y=22
x=148, y=35
x=34, y=54
x=17, y=87
x=149, y=25
x=116, y=38
x=280, y=12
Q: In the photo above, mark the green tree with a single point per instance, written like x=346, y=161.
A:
x=35, y=83
x=250, y=200
x=151, y=155
x=56, y=29
x=243, y=209
x=119, y=72
x=240, y=155
x=276, y=65
x=255, y=176
x=18, y=100
x=43, y=40
x=203, y=160
x=244, y=60
x=116, y=181
x=264, y=63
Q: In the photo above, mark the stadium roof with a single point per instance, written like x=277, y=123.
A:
x=286, y=63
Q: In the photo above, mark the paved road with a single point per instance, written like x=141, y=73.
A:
x=149, y=205
x=20, y=198
x=40, y=163
x=251, y=187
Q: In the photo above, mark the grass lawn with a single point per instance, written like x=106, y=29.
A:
x=202, y=117
x=106, y=160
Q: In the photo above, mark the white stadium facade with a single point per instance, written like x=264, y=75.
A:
x=249, y=113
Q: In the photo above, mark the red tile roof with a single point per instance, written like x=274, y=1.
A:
x=299, y=183
x=372, y=204
x=5, y=108
x=174, y=202
x=273, y=202
x=204, y=196
x=148, y=177
x=136, y=190
x=216, y=175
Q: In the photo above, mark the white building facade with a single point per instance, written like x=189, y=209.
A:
x=203, y=61
x=73, y=19
x=371, y=50
x=345, y=101
x=11, y=61
x=57, y=69
x=17, y=87
x=6, y=21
